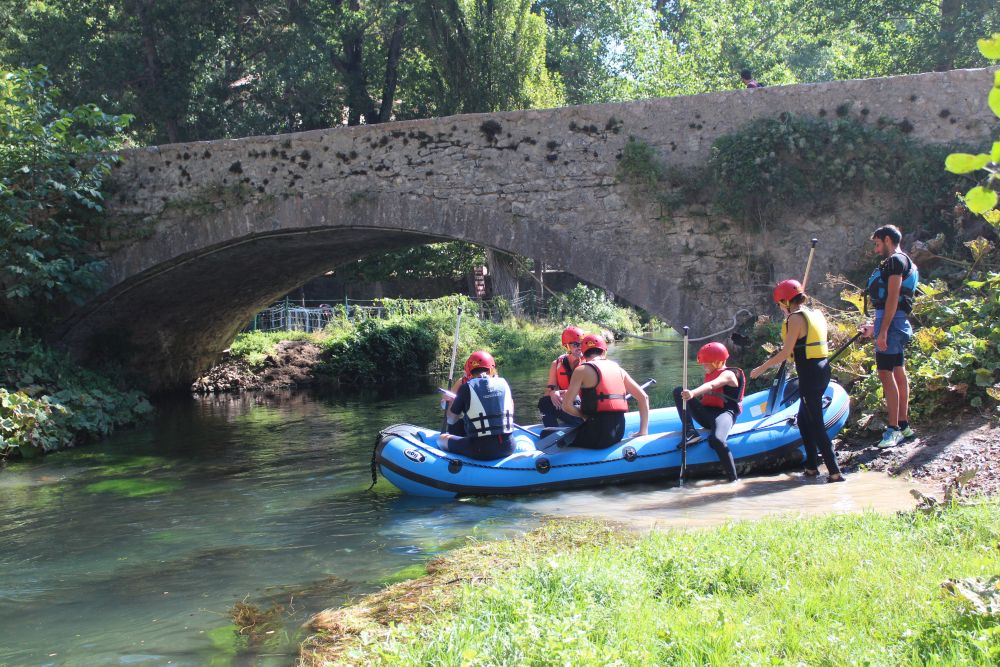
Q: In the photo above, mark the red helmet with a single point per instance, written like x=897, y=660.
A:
x=480, y=359
x=590, y=341
x=786, y=290
x=712, y=352
x=571, y=334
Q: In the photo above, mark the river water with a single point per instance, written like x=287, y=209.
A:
x=134, y=551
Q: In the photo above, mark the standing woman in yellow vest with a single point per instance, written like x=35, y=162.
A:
x=804, y=338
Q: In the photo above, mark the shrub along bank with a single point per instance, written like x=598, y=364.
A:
x=53, y=162
x=852, y=589
x=413, y=341
x=48, y=403
x=953, y=362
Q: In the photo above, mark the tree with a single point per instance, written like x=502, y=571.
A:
x=488, y=55
x=52, y=166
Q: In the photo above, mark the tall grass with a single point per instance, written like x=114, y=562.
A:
x=856, y=589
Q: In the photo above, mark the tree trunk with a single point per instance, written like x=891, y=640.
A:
x=152, y=62
x=503, y=277
x=392, y=66
x=951, y=12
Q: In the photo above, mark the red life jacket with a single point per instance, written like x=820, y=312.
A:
x=563, y=372
x=608, y=395
x=729, y=398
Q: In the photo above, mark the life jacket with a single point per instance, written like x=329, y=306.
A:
x=563, y=371
x=608, y=395
x=729, y=398
x=878, y=284
x=814, y=346
x=491, y=407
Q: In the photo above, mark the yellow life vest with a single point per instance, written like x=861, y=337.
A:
x=815, y=345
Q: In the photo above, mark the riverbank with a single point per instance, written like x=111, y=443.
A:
x=817, y=591
x=940, y=453
x=408, y=342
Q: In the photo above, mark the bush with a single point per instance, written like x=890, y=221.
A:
x=954, y=358
x=952, y=362
x=585, y=304
x=50, y=403
x=395, y=353
x=29, y=426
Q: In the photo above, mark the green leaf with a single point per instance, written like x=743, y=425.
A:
x=978, y=247
x=980, y=200
x=984, y=377
x=994, y=98
x=963, y=163
x=990, y=47
x=995, y=152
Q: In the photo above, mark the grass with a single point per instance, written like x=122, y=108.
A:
x=852, y=589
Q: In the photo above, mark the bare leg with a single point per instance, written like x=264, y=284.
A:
x=903, y=391
x=891, y=392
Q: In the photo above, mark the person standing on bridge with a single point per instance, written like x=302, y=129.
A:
x=486, y=407
x=716, y=403
x=560, y=372
x=804, y=338
x=601, y=385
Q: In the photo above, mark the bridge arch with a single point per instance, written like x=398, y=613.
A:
x=222, y=228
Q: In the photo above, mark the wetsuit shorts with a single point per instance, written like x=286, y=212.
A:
x=898, y=337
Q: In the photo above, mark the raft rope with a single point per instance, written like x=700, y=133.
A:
x=374, y=463
x=662, y=340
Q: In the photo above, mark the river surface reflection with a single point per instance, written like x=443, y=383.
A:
x=133, y=552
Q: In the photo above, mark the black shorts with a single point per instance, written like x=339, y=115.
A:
x=887, y=362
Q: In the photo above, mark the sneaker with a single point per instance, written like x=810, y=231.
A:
x=891, y=438
x=908, y=433
x=692, y=437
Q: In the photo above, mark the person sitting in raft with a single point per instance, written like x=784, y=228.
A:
x=716, y=403
x=601, y=385
x=804, y=338
x=486, y=407
x=560, y=371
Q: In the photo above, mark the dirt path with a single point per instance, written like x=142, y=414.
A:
x=937, y=455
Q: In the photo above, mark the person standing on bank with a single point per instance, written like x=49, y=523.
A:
x=486, y=407
x=716, y=403
x=601, y=385
x=560, y=372
x=890, y=289
x=803, y=336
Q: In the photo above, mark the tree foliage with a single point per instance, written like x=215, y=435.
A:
x=434, y=260
x=52, y=165
x=982, y=199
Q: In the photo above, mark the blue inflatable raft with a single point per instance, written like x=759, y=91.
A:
x=761, y=441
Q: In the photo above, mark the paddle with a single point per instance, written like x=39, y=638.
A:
x=451, y=370
x=680, y=479
x=558, y=436
x=843, y=348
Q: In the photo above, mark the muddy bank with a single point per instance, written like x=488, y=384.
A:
x=290, y=365
x=939, y=453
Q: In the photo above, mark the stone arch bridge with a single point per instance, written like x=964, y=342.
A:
x=229, y=226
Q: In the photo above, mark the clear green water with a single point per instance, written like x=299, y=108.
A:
x=133, y=552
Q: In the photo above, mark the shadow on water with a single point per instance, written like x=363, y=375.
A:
x=135, y=551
